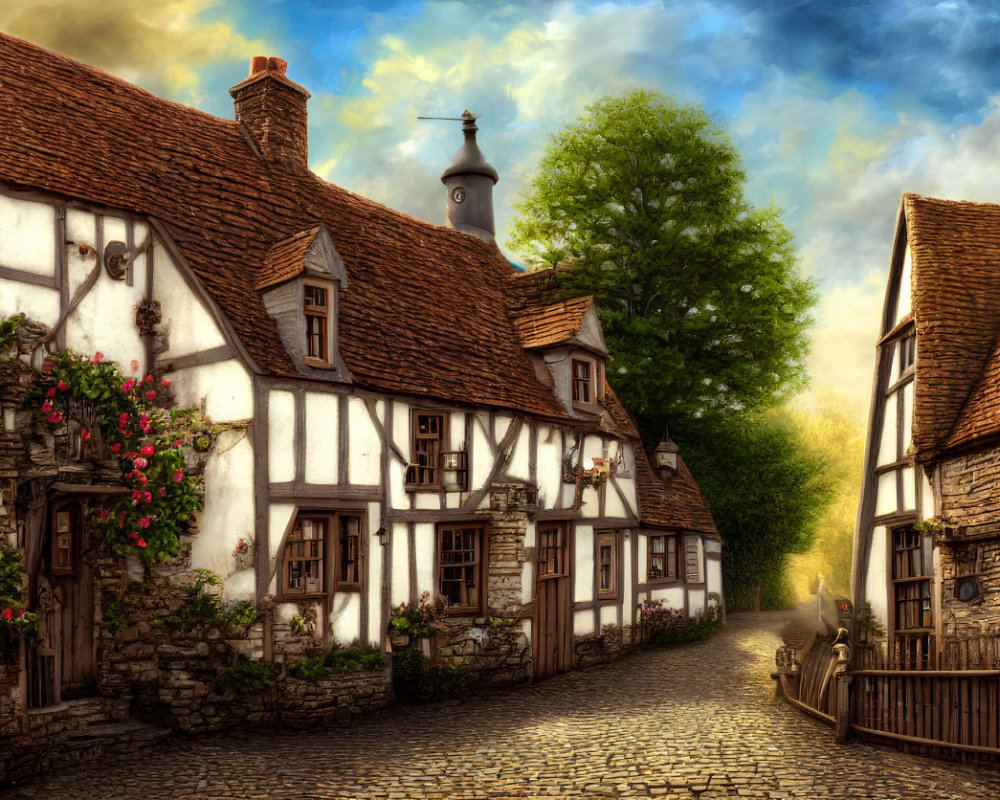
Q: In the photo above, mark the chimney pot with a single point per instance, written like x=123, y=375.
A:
x=257, y=64
x=277, y=65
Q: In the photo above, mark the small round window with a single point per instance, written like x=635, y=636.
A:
x=967, y=589
x=458, y=194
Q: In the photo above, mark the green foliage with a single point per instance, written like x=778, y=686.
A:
x=929, y=527
x=14, y=619
x=8, y=335
x=337, y=660
x=112, y=618
x=702, y=307
x=300, y=627
x=351, y=659
x=249, y=677
x=416, y=680
x=767, y=494
x=147, y=440
x=690, y=630
x=203, y=606
x=311, y=670
x=832, y=429
x=414, y=621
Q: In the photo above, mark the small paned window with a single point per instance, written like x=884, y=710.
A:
x=428, y=435
x=460, y=562
x=912, y=569
x=907, y=352
x=582, y=382
x=552, y=550
x=607, y=565
x=693, y=559
x=349, y=555
x=662, y=558
x=65, y=536
x=317, y=312
x=305, y=551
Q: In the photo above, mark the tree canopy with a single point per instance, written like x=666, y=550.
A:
x=702, y=307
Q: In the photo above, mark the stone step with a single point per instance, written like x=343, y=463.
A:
x=116, y=734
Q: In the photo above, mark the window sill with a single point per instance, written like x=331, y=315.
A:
x=295, y=598
x=318, y=363
x=663, y=581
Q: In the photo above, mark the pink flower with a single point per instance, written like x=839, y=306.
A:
x=46, y=406
x=178, y=443
x=115, y=447
x=148, y=450
x=127, y=387
x=8, y=614
x=134, y=535
x=150, y=395
x=56, y=417
x=165, y=382
x=178, y=476
x=147, y=497
x=121, y=518
x=144, y=522
x=62, y=386
x=51, y=392
x=140, y=463
x=161, y=491
x=126, y=434
x=143, y=480
x=98, y=358
x=141, y=542
x=84, y=434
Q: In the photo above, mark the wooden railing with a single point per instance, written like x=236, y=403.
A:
x=950, y=701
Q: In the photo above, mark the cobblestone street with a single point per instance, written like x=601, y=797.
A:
x=694, y=721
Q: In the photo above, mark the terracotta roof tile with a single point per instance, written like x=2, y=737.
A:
x=549, y=325
x=286, y=259
x=424, y=313
x=955, y=250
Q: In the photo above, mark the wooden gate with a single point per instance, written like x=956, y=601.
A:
x=552, y=639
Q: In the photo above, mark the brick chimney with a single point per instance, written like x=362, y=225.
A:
x=272, y=110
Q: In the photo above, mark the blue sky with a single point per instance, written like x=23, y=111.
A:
x=837, y=108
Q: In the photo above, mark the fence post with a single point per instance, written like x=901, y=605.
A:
x=843, y=653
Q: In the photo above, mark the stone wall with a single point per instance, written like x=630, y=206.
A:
x=610, y=644
x=970, y=495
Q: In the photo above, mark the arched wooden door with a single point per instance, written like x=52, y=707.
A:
x=552, y=634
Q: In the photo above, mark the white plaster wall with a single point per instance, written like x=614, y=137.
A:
x=278, y=519
x=427, y=501
x=223, y=391
x=527, y=581
x=927, y=509
x=583, y=573
x=886, y=502
x=613, y=506
x=426, y=577
x=374, y=578
x=400, y=574
x=345, y=617
x=281, y=436
x=714, y=576
x=887, y=442
x=321, y=438
x=549, y=467
x=500, y=424
x=609, y=615
x=366, y=446
x=401, y=414
x=583, y=623
x=81, y=227
x=903, y=306
x=876, y=591
x=240, y=585
x=27, y=236
x=672, y=596
x=37, y=302
x=456, y=431
x=481, y=456
x=627, y=593
x=909, y=488
x=907, y=416
x=519, y=467
x=228, y=515
x=398, y=496
x=189, y=325
x=697, y=599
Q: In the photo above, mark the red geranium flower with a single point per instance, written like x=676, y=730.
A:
x=141, y=542
x=148, y=450
x=62, y=385
x=51, y=392
x=178, y=476
x=8, y=614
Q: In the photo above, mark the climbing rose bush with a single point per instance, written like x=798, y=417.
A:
x=147, y=441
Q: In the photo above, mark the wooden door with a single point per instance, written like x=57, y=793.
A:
x=71, y=617
x=552, y=639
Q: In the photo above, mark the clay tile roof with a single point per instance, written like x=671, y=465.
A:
x=553, y=324
x=955, y=250
x=424, y=313
x=286, y=259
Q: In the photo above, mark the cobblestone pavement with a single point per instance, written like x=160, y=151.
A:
x=688, y=722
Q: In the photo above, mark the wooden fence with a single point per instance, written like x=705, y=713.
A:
x=947, y=701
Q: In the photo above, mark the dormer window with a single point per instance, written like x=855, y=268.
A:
x=316, y=307
x=582, y=385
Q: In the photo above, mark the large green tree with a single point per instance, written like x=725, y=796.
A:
x=702, y=307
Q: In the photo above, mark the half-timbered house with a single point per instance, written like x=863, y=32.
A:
x=392, y=414
x=927, y=544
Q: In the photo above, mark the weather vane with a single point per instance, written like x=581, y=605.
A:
x=468, y=119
